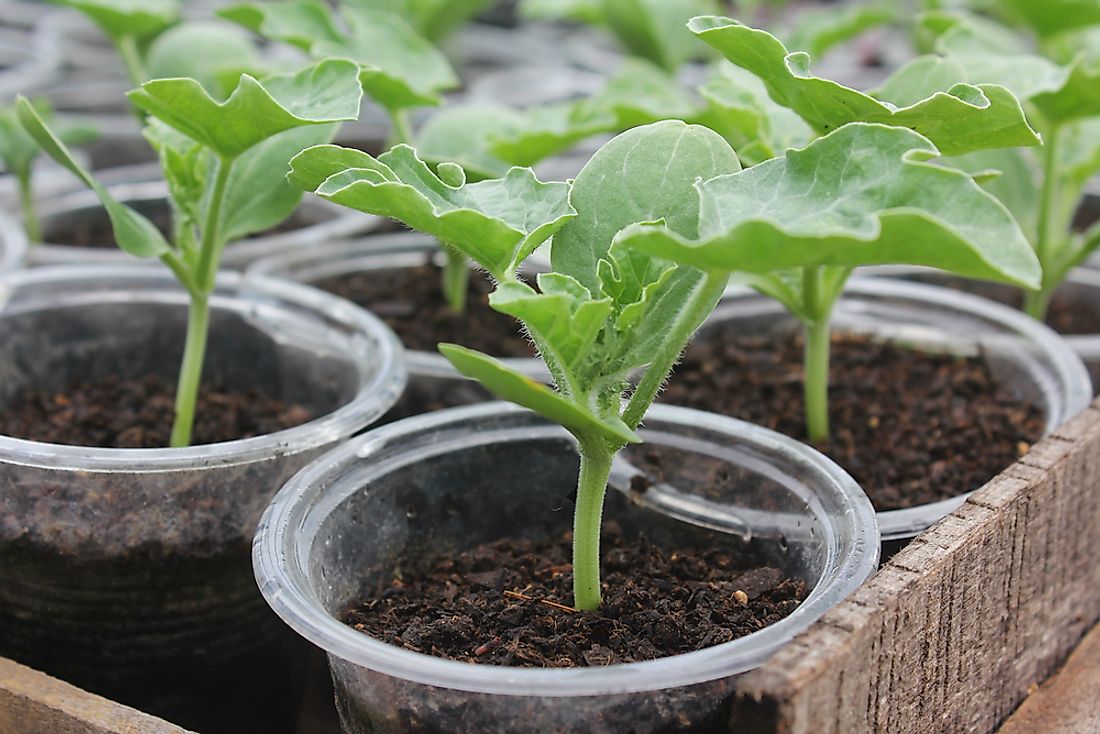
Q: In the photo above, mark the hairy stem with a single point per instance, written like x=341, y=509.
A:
x=703, y=299
x=400, y=127
x=198, y=315
x=815, y=381
x=187, y=389
x=596, y=458
x=26, y=205
x=456, y=276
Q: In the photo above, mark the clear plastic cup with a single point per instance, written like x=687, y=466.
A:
x=13, y=244
x=452, y=479
x=126, y=571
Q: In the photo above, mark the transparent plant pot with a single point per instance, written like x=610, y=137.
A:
x=126, y=571
x=432, y=380
x=13, y=244
x=320, y=221
x=1033, y=362
x=451, y=480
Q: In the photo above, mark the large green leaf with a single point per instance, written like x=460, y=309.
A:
x=497, y=223
x=545, y=130
x=399, y=68
x=817, y=31
x=300, y=23
x=462, y=135
x=133, y=232
x=136, y=18
x=654, y=29
x=433, y=19
x=640, y=92
x=18, y=149
x=324, y=93
x=863, y=195
x=643, y=175
x=960, y=120
x=522, y=390
x=1049, y=17
x=210, y=53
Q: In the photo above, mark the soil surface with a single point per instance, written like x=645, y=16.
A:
x=410, y=301
x=911, y=427
x=114, y=413
x=96, y=231
x=505, y=603
x=1068, y=313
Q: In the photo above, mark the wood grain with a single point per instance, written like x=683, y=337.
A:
x=1069, y=703
x=34, y=703
x=951, y=633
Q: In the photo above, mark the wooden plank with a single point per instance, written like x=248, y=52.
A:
x=951, y=633
x=1068, y=703
x=34, y=703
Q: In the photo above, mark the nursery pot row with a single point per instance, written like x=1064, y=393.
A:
x=126, y=571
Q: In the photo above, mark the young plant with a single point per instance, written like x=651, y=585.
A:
x=795, y=227
x=18, y=152
x=435, y=20
x=224, y=163
x=605, y=313
x=1062, y=101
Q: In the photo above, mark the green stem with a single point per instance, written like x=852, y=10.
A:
x=131, y=59
x=815, y=381
x=401, y=129
x=210, y=247
x=703, y=299
x=198, y=315
x=456, y=277
x=194, y=352
x=596, y=458
x=1036, y=303
x=26, y=205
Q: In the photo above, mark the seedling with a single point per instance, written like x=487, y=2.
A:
x=960, y=120
x=1062, y=101
x=18, y=152
x=432, y=19
x=603, y=314
x=153, y=43
x=224, y=163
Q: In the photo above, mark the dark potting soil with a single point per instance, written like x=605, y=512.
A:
x=96, y=232
x=410, y=301
x=1068, y=313
x=138, y=413
x=910, y=427
x=505, y=603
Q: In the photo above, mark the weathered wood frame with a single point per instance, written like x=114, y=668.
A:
x=948, y=637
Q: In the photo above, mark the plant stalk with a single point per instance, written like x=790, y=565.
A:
x=26, y=205
x=456, y=277
x=198, y=315
x=194, y=352
x=1036, y=302
x=596, y=458
x=706, y=294
x=400, y=127
x=815, y=380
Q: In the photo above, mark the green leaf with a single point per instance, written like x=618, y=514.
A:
x=1019, y=187
x=640, y=93
x=185, y=164
x=497, y=223
x=963, y=119
x=643, y=175
x=755, y=125
x=580, y=11
x=1077, y=99
x=522, y=390
x=545, y=130
x=399, y=68
x=299, y=23
x=324, y=93
x=862, y=195
x=18, y=150
x=817, y=31
x=136, y=18
x=462, y=135
x=1049, y=17
x=654, y=29
x=258, y=195
x=206, y=52
x=134, y=233
x=432, y=19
